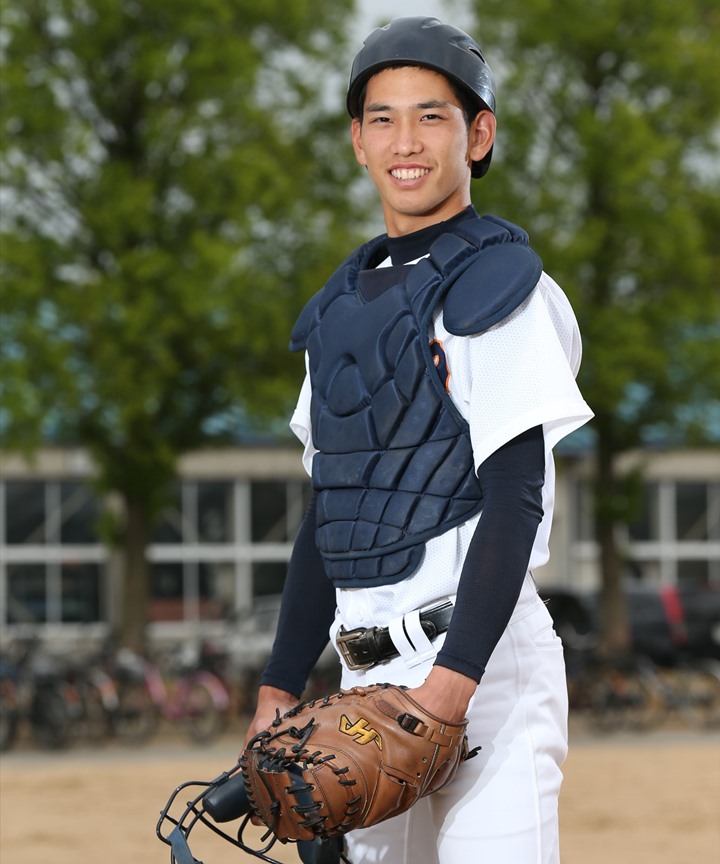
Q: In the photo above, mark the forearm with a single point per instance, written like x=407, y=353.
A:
x=306, y=612
x=498, y=555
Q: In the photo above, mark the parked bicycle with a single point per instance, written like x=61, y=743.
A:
x=91, y=696
x=636, y=694
x=32, y=690
x=613, y=695
x=687, y=691
x=182, y=692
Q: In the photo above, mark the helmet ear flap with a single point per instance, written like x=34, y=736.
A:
x=425, y=42
x=480, y=168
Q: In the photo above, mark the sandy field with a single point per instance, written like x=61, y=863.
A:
x=651, y=799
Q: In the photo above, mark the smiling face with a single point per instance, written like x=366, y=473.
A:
x=417, y=147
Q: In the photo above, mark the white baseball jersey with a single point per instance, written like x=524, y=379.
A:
x=517, y=375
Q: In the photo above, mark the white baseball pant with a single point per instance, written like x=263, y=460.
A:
x=502, y=807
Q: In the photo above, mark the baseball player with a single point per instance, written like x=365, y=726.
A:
x=441, y=364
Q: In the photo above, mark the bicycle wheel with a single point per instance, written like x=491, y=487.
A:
x=95, y=726
x=9, y=715
x=697, y=697
x=135, y=720
x=50, y=717
x=201, y=717
x=624, y=700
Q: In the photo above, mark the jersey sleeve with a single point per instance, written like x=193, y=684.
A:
x=520, y=373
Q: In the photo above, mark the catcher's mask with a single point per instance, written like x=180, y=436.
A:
x=429, y=43
x=222, y=800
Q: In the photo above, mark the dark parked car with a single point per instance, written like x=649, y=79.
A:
x=666, y=622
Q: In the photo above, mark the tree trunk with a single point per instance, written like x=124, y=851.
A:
x=615, y=638
x=134, y=614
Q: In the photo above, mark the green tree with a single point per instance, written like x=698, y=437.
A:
x=174, y=187
x=609, y=124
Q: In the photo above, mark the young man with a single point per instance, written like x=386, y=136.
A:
x=441, y=367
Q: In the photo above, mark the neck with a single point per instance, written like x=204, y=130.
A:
x=415, y=244
x=400, y=224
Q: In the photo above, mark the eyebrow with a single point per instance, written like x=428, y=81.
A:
x=421, y=106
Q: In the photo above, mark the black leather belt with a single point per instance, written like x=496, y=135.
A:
x=365, y=647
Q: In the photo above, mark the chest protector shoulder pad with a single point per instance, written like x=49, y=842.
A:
x=394, y=465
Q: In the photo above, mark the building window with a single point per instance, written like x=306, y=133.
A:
x=170, y=526
x=269, y=512
x=691, y=512
x=192, y=590
x=674, y=536
x=38, y=513
x=646, y=524
x=200, y=512
x=268, y=577
x=24, y=512
x=222, y=544
x=167, y=590
x=27, y=601
x=68, y=592
x=277, y=509
x=215, y=512
x=215, y=589
x=219, y=546
x=693, y=572
x=79, y=515
x=80, y=593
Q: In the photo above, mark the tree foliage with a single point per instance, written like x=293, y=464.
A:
x=609, y=130
x=174, y=186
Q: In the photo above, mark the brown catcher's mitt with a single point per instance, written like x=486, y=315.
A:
x=348, y=761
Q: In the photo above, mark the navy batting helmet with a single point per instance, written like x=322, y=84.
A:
x=429, y=43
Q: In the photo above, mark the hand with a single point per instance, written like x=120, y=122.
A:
x=445, y=694
x=270, y=701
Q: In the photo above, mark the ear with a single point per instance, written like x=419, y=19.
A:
x=482, y=135
x=356, y=137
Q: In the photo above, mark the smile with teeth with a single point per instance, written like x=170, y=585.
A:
x=409, y=173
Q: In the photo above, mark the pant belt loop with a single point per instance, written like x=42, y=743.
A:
x=423, y=646
x=400, y=639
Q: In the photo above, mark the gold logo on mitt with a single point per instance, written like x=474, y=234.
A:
x=360, y=731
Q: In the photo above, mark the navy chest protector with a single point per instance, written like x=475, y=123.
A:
x=394, y=465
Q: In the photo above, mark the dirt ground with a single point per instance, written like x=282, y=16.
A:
x=652, y=799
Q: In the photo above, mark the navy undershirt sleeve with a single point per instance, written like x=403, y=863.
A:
x=306, y=612
x=496, y=563
x=512, y=480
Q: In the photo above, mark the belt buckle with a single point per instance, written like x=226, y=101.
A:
x=342, y=638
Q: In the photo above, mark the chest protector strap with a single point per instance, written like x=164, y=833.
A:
x=394, y=465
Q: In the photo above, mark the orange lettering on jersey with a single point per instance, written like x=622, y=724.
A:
x=440, y=361
x=360, y=731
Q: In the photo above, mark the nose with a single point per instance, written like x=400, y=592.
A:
x=406, y=139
